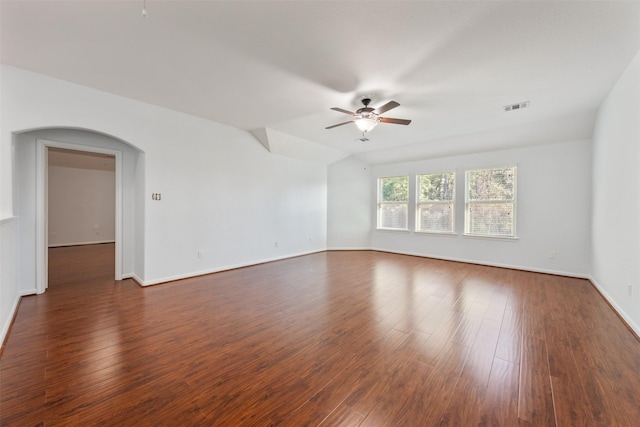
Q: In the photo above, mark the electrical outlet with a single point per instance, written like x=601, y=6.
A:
x=552, y=254
x=630, y=289
x=276, y=244
x=200, y=254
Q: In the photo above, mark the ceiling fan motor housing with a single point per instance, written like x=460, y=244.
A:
x=366, y=111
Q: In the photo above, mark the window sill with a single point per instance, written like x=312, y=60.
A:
x=397, y=230
x=435, y=233
x=500, y=238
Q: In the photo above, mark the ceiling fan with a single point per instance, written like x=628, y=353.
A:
x=366, y=118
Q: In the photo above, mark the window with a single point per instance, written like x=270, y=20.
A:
x=393, y=201
x=490, y=196
x=436, y=201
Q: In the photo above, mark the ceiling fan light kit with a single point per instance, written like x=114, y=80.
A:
x=365, y=124
x=366, y=118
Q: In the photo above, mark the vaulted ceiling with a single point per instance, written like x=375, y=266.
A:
x=278, y=66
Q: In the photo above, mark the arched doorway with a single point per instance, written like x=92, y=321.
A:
x=31, y=162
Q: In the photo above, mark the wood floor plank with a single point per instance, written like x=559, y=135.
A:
x=402, y=382
x=510, y=339
x=437, y=390
x=500, y=404
x=377, y=363
x=465, y=405
x=568, y=388
x=343, y=416
x=535, y=403
x=324, y=402
x=342, y=338
x=609, y=377
x=478, y=365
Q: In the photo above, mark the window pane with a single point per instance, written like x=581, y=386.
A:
x=491, y=184
x=393, y=216
x=436, y=218
x=490, y=219
x=395, y=189
x=436, y=187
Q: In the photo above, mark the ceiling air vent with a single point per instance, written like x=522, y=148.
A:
x=518, y=106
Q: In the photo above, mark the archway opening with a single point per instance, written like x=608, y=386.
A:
x=31, y=160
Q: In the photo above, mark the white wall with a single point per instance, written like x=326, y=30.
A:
x=79, y=200
x=553, y=212
x=225, y=195
x=9, y=294
x=616, y=196
x=348, y=205
x=138, y=188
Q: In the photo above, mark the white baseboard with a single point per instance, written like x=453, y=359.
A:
x=9, y=320
x=490, y=264
x=220, y=269
x=134, y=277
x=349, y=249
x=634, y=326
x=97, y=242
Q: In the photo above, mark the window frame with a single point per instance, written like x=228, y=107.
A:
x=469, y=203
x=451, y=203
x=381, y=203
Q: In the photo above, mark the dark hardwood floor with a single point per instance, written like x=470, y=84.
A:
x=335, y=339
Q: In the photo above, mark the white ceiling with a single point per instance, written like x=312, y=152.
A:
x=281, y=65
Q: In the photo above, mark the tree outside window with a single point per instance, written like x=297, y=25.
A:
x=491, y=202
x=393, y=202
x=436, y=203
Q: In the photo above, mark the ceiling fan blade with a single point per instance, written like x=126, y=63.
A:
x=395, y=121
x=343, y=111
x=386, y=107
x=339, y=124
